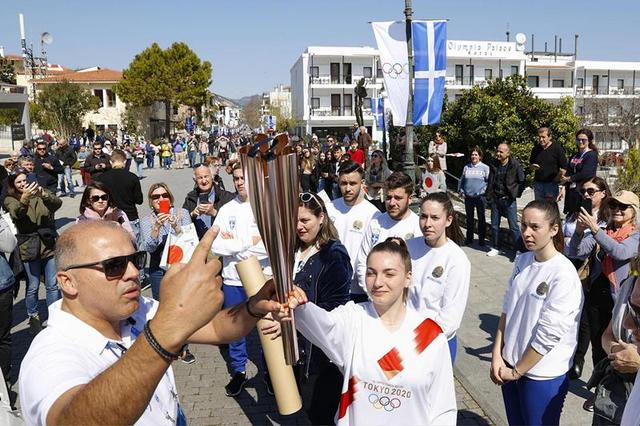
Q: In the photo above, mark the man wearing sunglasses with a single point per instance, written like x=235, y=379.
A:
x=106, y=356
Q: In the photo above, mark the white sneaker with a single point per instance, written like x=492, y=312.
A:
x=493, y=252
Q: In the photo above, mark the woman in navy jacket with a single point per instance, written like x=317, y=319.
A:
x=323, y=270
x=581, y=167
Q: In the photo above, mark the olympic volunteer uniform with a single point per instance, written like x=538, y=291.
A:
x=236, y=217
x=440, y=285
x=351, y=223
x=402, y=377
x=542, y=306
x=381, y=227
x=69, y=353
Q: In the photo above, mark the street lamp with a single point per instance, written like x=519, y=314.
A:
x=37, y=65
x=408, y=164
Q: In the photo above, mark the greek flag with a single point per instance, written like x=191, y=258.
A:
x=430, y=54
x=377, y=108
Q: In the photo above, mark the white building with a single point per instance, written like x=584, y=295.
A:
x=323, y=78
x=278, y=98
x=227, y=115
x=322, y=84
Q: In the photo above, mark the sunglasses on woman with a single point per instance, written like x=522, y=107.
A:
x=155, y=197
x=306, y=197
x=115, y=267
x=590, y=191
x=96, y=198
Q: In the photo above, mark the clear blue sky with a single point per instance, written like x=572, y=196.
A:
x=252, y=44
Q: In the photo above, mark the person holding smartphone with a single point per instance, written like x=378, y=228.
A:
x=32, y=209
x=98, y=204
x=205, y=200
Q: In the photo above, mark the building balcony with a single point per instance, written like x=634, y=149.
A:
x=552, y=92
x=607, y=91
x=338, y=112
x=333, y=80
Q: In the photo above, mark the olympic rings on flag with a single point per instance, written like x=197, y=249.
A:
x=380, y=402
x=396, y=70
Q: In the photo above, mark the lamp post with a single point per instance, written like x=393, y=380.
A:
x=408, y=164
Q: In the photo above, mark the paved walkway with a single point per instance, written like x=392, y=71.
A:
x=201, y=385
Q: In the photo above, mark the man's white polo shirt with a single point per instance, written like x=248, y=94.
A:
x=70, y=352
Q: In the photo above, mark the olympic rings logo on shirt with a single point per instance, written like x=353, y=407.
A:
x=380, y=402
x=396, y=70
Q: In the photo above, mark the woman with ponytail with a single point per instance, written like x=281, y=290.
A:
x=537, y=332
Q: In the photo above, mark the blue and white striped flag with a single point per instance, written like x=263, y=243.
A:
x=430, y=54
x=377, y=108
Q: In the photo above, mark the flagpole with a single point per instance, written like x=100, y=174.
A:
x=408, y=164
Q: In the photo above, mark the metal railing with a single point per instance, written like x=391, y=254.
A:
x=348, y=79
x=605, y=90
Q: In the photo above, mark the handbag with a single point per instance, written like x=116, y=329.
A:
x=9, y=221
x=179, y=247
x=29, y=246
x=612, y=391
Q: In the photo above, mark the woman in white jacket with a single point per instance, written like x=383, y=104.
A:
x=395, y=361
x=538, y=329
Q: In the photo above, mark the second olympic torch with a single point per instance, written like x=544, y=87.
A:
x=271, y=176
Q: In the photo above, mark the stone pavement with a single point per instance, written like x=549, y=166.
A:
x=201, y=385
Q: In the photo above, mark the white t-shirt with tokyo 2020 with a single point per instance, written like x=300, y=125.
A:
x=351, y=223
x=401, y=377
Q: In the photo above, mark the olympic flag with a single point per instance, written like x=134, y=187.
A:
x=430, y=53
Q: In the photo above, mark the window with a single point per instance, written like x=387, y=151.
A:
x=98, y=94
x=621, y=83
x=315, y=103
x=346, y=71
x=379, y=72
x=472, y=75
x=347, y=99
x=334, y=71
x=488, y=74
x=459, y=74
x=515, y=70
x=111, y=98
x=557, y=83
x=533, y=81
x=580, y=83
x=366, y=72
x=581, y=110
x=314, y=71
x=335, y=104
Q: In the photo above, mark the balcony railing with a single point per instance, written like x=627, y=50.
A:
x=338, y=112
x=605, y=90
x=326, y=79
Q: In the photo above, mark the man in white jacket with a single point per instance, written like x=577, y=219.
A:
x=398, y=221
x=238, y=239
x=350, y=215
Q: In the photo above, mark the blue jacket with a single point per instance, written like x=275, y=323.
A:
x=326, y=279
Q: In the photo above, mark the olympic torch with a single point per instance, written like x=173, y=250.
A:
x=271, y=177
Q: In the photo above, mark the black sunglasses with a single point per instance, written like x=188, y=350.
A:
x=158, y=196
x=96, y=198
x=115, y=267
x=590, y=191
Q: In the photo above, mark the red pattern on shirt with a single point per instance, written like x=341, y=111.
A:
x=426, y=332
x=391, y=363
x=348, y=397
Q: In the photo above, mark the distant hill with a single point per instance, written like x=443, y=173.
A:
x=244, y=100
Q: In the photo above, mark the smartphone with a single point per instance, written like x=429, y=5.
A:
x=203, y=198
x=31, y=178
x=165, y=206
x=587, y=204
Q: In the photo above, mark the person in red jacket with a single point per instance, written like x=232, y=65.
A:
x=355, y=153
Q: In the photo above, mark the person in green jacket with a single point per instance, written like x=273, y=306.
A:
x=32, y=209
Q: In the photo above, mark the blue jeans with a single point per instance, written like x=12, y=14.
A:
x=477, y=204
x=167, y=162
x=155, y=276
x=546, y=191
x=192, y=158
x=139, y=168
x=238, y=349
x=203, y=155
x=504, y=207
x=535, y=402
x=150, y=161
x=321, y=184
x=453, y=348
x=69, y=178
x=33, y=269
